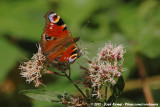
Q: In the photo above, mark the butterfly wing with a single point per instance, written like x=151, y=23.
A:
x=57, y=42
x=55, y=27
x=69, y=55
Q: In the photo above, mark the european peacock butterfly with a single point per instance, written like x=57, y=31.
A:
x=57, y=43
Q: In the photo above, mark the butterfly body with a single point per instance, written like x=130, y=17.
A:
x=57, y=43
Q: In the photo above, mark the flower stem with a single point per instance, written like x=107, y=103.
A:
x=56, y=73
x=69, y=73
x=105, y=99
x=75, y=85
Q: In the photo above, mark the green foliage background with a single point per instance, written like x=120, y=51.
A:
x=133, y=23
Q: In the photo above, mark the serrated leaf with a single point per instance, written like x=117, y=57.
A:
x=43, y=95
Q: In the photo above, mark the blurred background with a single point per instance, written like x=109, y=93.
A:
x=132, y=23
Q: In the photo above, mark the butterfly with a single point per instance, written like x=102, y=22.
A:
x=57, y=43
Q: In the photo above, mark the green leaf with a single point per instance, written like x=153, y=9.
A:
x=117, y=90
x=38, y=103
x=43, y=95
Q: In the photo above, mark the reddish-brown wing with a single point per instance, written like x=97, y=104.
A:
x=57, y=42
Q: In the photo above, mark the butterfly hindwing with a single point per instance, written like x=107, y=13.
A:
x=69, y=55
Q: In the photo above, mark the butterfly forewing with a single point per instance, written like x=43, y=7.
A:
x=57, y=43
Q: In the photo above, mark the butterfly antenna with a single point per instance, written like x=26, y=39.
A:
x=83, y=28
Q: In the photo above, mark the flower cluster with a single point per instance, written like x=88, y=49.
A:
x=31, y=69
x=105, y=67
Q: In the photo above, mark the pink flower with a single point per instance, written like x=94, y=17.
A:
x=107, y=66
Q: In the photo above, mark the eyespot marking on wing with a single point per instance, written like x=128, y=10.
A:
x=72, y=58
x=74, y=52
x=60, y=22
x=48, y=37
x=57, y=59
x=64, y=27
x=53, y=17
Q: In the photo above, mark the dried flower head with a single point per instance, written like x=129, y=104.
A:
x=73, y=101
x=83, y=52
x=31, y=69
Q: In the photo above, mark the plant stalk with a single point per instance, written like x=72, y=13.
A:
x=75, y=85
x=56, y=73
x=106, y=88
